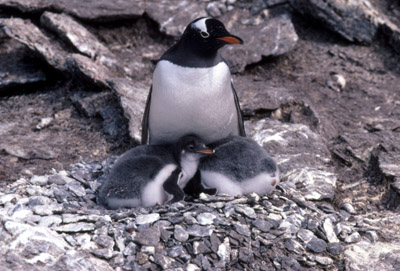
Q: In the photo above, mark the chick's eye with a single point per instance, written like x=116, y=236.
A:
x=204, y=34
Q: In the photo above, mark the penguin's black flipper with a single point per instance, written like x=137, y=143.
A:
x=242, y=132
x=194, y=187
x=145, y=121
x=172, y=188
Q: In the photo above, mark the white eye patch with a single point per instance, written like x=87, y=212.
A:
x=201, y=25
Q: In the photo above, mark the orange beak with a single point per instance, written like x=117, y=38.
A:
x=206, y=151
x=231, y=40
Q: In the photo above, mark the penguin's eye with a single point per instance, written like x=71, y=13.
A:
x=204, y=34
x=191, y=147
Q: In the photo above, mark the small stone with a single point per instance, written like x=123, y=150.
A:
x=316, y=245
x=224, y=250
x=148, y=237
x=60, y=179
x=104, y=253
x=147, y=219
x=353, y=238
x=294, y=246
x=206, y=218
x=180, y=233
x=178, y=251
x=337, y=82
x=245, y=210
x=142, y=258
x=262, y=225
x=334, y=248
x=164, y=262
x=44, y=122
x=39, y=180
x=349, y=208
x=76, y=227
x=23, y=214
x=329, y=231
x=8, y=198
x=323, y=260
x=42, y=210
x=50, y=221
x=372, y=236
x=192, y=267
x=149, y=250
x=38, y=200
x=104, y=241
x=200, y=231
x=213, y=9
x=76, y=188
x=130, y=249
x=200, y=248
x=242, y=229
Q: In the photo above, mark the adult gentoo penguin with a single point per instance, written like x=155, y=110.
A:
x=192, y=91
x=151, y=174
x=240, y=166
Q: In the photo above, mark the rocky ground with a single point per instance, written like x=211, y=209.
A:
x=318, y=83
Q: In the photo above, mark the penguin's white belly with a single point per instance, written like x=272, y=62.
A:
x=154, y=192
x=261, y=184
x=196, y=101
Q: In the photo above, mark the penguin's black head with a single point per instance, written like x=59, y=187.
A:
x=208, y=34
x=193, y=146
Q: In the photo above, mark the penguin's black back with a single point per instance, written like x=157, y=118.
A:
x=238, y=157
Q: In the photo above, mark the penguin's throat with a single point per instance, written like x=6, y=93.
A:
x=189, y=166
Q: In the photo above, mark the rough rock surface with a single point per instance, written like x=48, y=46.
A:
x=326, y=108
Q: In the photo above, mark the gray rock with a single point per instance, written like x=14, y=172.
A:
x=349, y=208
x=178, y=252
x=77, y=35
x=92, y=11
x=37, y=200
x=18, y=66
x=372, y=236
x=224, y=250
x=43, y=210
x=200, y=247
x=275, y=36
x=28, y=34
x=39, y=180
x=242, y=229
x=180, y=233
x=334, y=248
x=323, y=260
x=50, y=221
x=75, y=227
x=130, y=249
x=262, y=224
x=60, y=179
x=367, y=256
x=329, y=231
x=200, y=231
x=316, y=245
x=147, y=219
x=148, y=237
x=353, y=20
x=132, y=97
x=206, y=218
x=173, y=18
x=245, y=210
x=76, y=188
x=353, y=238
x=163, y=261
